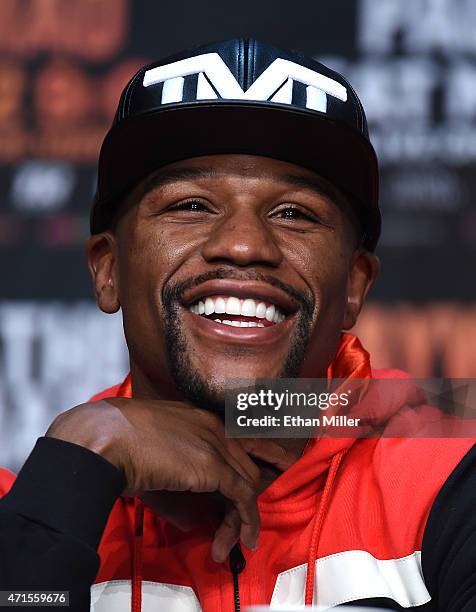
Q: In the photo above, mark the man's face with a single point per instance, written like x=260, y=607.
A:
x=230, y=266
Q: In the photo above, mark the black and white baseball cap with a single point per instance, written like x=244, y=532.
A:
x=240, y=96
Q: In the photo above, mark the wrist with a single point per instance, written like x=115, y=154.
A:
x=91, y=426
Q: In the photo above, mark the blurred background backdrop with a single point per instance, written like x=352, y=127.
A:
x=63, y=64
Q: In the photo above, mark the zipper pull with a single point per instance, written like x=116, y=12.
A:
x=237, y=565
x=237, y=560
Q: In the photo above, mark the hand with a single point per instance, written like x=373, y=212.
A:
x=187, y=510
x=171, y=446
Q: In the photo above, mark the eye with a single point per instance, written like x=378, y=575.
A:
x=190, y=205
x=295, y=213
x=291, y=213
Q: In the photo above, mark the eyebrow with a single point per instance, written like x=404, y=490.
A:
x=323, y=187
x=318, y=185
x=161, y=178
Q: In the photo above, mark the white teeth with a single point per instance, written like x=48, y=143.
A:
x=248, y=308
x=261, y=310
x=233, y=306
x=239, y=323
x=220, y=305
x=270, y=313
x=209, y=306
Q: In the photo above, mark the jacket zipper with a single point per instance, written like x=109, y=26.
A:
x=237, y=565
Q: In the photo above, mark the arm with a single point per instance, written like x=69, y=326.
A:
x=449, y=543
x=52, y=519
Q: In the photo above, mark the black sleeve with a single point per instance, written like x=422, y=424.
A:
x=52, y=519
x=449, y=543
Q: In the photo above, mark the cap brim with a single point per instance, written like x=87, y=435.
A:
x=141, y=144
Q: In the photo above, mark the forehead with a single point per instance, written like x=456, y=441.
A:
x=266, y=170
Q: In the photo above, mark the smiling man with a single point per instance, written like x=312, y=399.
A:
x=234, y=226
x=245, y=265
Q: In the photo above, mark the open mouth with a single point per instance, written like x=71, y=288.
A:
x=238, y=311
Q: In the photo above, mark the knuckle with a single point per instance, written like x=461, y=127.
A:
x=232, y=519
x=246, y=488
x=206, y=458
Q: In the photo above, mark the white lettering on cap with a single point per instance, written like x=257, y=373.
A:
x=215, y=79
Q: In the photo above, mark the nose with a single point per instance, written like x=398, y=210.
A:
x=242, y=239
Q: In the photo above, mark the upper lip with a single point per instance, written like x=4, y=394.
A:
x=242, y=289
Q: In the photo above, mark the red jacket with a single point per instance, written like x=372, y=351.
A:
x=354, y=510
x=354, y=520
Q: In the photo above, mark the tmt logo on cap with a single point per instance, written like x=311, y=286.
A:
x=215, y=79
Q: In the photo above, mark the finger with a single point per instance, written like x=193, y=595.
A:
x=269, y=451
x=247, y=465
x=242, y=494
x=226, y=536
x=234, y=454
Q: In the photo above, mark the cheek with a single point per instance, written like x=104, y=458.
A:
x=323, y=263
x=150, y=258
x=324, y=266
x=330, y=290
x=333, y=284
x=147, y=260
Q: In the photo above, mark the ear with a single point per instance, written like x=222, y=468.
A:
x=102, y=262
x=363, y=272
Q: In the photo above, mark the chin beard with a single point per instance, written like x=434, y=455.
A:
x=206, y=394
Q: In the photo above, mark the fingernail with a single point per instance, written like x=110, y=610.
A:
x=253, y=546
x=216, y=556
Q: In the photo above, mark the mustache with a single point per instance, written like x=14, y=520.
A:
x=173, y=292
